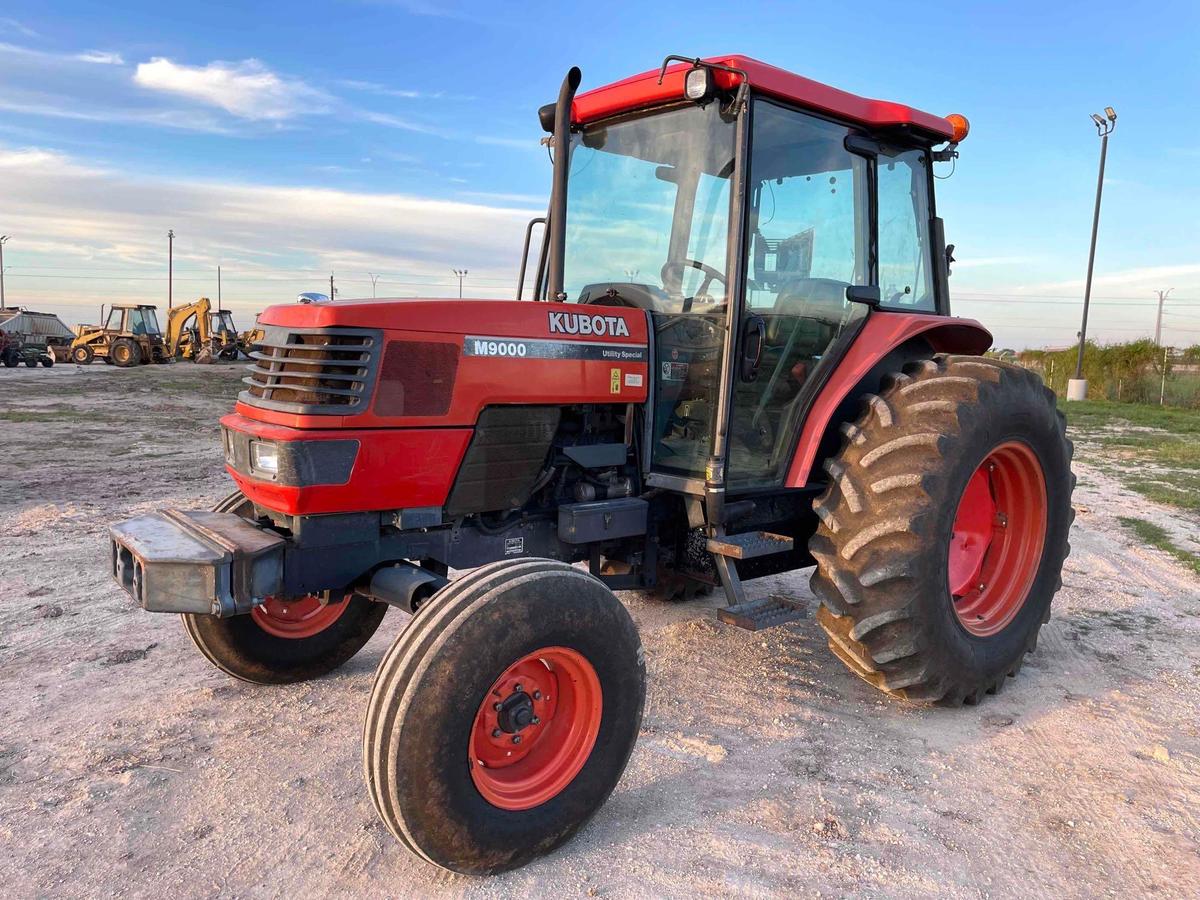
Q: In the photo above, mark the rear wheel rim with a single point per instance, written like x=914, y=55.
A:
x=535, y=728
x=301, y=617
x=997, y=539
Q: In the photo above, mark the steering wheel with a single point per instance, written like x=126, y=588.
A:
x=710, y=274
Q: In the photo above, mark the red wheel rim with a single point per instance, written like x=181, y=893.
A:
x=535, y=728
x=997, y=539
x=300, y=617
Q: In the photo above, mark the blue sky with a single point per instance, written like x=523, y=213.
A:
x=400, y=138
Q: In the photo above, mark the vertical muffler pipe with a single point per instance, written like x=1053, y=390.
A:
x=558, y=191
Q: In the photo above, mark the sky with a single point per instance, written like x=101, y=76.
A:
x=399, y=139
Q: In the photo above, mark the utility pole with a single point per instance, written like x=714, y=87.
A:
x=1162, y=297
x=461, y=273
x=170, y=268
x=3, y=240
x=218, y=288
x=331, y=290
x=374, y=278
x=1077, y=386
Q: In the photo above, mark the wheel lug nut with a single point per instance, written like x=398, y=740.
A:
x=516, y=739
x=496, y=707
x=980, y=586
x=496, y=732
x=537, y=695
x=535, y=721
x=517, y=688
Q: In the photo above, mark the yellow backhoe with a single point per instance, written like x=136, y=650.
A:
x=196, y=332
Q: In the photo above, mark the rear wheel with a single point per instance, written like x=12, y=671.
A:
x=47, y=361
x=31, y=362
x=125, y=353
x=11, y=358
x=284, y=640
x=944, y=529
x=504, y=715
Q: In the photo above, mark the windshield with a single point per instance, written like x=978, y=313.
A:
x=648, y=211
x=223, y=322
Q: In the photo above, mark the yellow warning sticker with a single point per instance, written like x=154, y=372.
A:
x=615, y=381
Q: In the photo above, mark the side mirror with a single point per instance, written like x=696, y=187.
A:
x=754, y=337
x=866, y=294
x=949, y=257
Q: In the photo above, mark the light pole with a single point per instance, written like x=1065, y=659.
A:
x=1162, y=298
x=3, y=240
x=374, y=278
x=1077, y=386
x=461, y=273
x=170, y=268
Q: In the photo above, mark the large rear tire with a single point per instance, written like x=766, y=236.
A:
x=504, y=715
x=285, y=640
x=944, y=529
x=82, y=355
x=125, y=353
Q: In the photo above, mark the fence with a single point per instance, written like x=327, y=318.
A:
x=1137, y=372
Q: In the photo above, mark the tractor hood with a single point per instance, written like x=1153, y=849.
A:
x=405, y=363
x=499, y=318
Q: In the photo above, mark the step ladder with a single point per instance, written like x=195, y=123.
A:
x=757, y=614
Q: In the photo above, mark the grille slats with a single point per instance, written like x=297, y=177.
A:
x=313, y=371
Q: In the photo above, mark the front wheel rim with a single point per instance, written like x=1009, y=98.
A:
x=297, y=618
x=535, y=728
x=997, y=539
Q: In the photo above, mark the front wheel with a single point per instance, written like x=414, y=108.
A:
x=286, y=640
x=504, y=715
x=283, y=641
x=944, y=529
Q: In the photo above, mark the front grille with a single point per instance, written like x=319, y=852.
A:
x=313, y=371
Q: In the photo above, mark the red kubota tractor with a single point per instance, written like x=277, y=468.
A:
x=739, y=360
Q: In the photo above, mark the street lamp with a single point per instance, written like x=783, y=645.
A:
x=3, y=240
x=170, y=266
x=461, y=273
x=1077, y=386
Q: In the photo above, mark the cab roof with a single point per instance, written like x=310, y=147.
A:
x=640, y=91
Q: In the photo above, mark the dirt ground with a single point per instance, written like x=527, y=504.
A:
x=130, y=767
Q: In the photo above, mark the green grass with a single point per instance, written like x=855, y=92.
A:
x=1157, y=537
x=1161, y=462
x=1100, y=413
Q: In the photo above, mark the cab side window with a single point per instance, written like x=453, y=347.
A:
x=905, y=279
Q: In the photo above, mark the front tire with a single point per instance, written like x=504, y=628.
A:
x=82, y=355
x=504, y=715
x=283, y=641
x=944, y=529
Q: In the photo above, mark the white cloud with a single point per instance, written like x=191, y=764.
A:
x=102, y=57
x=248, y=90
x=103, y=220
x=15, y=26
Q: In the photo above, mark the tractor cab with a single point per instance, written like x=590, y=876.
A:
x=756, y=231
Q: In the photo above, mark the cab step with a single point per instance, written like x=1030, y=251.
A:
x=765, y=612
x=749, y=545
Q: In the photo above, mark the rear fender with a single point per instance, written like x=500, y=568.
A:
x=886, y=341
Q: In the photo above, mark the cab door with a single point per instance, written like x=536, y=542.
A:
x=808, y=238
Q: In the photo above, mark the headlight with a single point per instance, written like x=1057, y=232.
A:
x=264, y=457
x=695, y=83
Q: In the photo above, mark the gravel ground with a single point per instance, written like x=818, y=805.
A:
x=129, y=766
